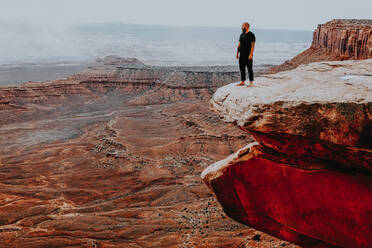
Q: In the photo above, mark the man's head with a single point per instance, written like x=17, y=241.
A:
x=245, y=27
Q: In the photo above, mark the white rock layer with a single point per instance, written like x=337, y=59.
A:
x=321, y=82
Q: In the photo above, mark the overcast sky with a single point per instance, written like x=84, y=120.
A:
x=276, y=14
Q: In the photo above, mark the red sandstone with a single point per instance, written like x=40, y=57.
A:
x=307, y=178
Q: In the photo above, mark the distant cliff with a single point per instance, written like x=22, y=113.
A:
x=335, y=40
x=145, y=84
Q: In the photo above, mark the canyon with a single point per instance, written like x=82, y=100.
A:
x=306, y=177
x=336, y=40
x=112, y=156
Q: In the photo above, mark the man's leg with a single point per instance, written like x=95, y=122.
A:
x=250, y=71
x=242, y=66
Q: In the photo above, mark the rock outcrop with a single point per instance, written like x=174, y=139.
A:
x=348, y=39
x=307, y=178
x=342, y=39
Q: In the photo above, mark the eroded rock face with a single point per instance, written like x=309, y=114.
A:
x=307, y=178
x=342, y=39
x=111, y=157
x=348, y=39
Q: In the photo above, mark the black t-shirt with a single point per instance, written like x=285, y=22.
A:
x=245, y=43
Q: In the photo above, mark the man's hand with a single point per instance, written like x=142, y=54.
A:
x=237, y=51
x=252, y=49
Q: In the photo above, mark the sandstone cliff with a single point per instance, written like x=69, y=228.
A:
x=307, y=178
x=336, y=40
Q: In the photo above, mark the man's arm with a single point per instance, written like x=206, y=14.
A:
x=252, y=49
x=237, y=51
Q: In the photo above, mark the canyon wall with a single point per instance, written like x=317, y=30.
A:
x=348, y=39
x=307, y=177
x=342, y=39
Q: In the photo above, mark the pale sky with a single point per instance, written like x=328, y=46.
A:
x=275, y=14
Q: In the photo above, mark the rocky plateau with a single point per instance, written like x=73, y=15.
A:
x=307, y=177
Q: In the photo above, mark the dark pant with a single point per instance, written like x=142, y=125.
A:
x=245, y=62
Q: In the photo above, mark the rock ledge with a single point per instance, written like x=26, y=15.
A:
x=307, y=178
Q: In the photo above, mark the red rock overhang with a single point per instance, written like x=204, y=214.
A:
x=307, y=207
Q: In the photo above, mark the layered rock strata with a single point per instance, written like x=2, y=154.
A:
x=348, y=39
x=340, y=39
x=307, y=178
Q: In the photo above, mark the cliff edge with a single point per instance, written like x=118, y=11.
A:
x=307, y=178
x=336, y=40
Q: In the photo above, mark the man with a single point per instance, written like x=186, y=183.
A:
x=246, y=48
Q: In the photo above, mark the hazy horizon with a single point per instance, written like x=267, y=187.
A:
x=156, y=44
x=269, y=14
x=81, y=23
x=70, y=30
